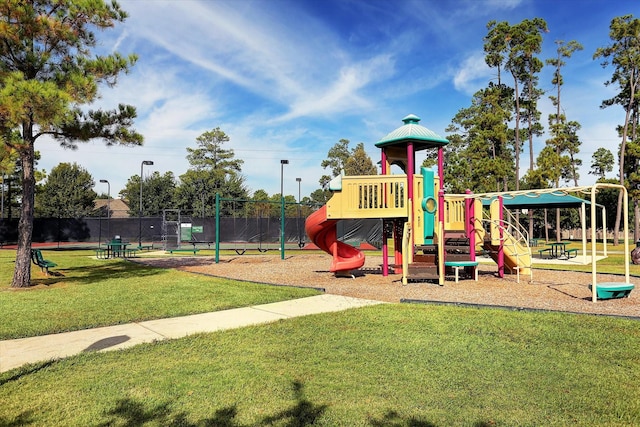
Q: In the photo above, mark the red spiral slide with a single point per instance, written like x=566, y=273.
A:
x=322, y=232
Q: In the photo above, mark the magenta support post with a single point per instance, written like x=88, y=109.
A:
x=471, y=221
x=411, y=169
x=385, y=247
x=501, y=247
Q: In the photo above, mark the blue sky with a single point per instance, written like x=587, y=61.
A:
x=287, y=79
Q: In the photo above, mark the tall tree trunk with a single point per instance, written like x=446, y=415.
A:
x=616, y=228
x=636, y=220
x=623, y=148
x=546, y=226
x=574, y=171
x=22, y=271
x=517, y=133
x=530, y=223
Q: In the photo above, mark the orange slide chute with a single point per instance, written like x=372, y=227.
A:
x=322, y=232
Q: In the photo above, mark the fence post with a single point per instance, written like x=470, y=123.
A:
x=281, y=226
x=217, y=228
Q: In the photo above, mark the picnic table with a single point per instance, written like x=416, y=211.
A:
x=558, y=248
x=116, y=249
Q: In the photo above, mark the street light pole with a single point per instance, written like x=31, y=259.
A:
x=148, y=163
x=282, y=163
x=104, y=181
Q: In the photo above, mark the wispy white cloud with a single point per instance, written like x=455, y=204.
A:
x=472, y=74
x=289, y=58
x=256, y=53
x=118, y=42
x=344, y=93
x=501, y=4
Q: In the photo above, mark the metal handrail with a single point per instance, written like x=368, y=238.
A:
x=520, y=231
x=517, y=235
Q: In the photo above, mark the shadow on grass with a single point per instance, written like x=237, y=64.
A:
x=174, y=262
x=24, y=419
x=129, y=412
x=91, y=274
x=303, y=412
x=393, y=419
x=23, y=372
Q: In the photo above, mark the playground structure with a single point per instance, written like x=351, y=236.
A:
x=435, y=234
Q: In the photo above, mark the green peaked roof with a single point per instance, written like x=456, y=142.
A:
x=412, y=131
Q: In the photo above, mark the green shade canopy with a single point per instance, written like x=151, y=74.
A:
x=540, y=201
x=411, y=131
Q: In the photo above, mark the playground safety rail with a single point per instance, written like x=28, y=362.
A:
x=370, y=196
x=512, y=237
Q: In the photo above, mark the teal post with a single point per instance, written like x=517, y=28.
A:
x=281, y=226
x=217, y=228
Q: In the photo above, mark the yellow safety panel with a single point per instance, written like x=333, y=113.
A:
x=454, y=213
x=370, y=196
x=494, y=210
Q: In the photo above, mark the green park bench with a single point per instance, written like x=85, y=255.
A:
x=101, y=253
x=38, y=259
x=543, y=252
x=570, y=252
x=131, y=253
x=194, y=250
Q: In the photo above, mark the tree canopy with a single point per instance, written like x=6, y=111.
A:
x=342, y=160
x=602, y=161
x=67, y=193
x=359, y=162
x=479, y=155
x=623, y=54
x=214, y=170
x=514, y=48
x=211, y=156
x=158, y=193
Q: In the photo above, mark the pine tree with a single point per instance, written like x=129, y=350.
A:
x=47, y=73
x=624, y=55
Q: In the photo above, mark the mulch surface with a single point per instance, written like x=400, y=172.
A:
x=551, y=290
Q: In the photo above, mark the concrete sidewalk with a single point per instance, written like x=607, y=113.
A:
x=15, y=353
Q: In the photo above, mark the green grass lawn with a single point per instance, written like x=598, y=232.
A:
x=86, y=292
x=389, y=365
